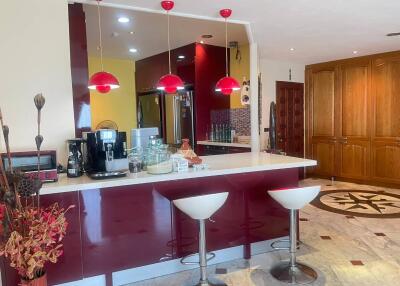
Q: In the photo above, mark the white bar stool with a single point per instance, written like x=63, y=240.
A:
x=291, y=271
x=201, y=208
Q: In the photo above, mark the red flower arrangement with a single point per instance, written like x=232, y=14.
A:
x=30, y=235
x=34, y=238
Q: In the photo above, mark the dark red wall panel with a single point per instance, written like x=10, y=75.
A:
x=79, y=68
x=210, y=67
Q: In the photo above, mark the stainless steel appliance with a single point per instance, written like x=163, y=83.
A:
x=27, y=162
x=172, y=114
x=106, y=154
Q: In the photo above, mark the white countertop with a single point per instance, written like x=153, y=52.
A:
x=224, y=144
x=218, y=165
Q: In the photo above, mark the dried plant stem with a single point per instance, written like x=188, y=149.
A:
x=4, y=181
x=5, y=133
x=38, y=157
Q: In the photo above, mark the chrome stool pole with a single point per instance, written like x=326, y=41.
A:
x=291, y=271
x=201, y=208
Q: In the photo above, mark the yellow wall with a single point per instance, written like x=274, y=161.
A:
x=119, y=105
x=239, y=70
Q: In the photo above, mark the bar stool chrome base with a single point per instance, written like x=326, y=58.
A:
x=298, y=274
x=211, y=282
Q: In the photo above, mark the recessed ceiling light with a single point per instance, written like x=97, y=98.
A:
x=202, y=42
x=123, y=20
x=355, y=52
x=181, y=57
x=207, y=36
x=131, y=32
x=133, y=50
x=292, y=49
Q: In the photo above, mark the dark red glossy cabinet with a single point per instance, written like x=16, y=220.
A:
x=114, y=229
x=129, y=226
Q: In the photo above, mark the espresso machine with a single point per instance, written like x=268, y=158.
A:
x=106, y=154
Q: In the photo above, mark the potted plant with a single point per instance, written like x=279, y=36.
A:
x=31, y=235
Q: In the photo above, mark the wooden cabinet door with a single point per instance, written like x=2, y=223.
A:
x=353, y=157
x=386, y=119
x=353, y=150
x=323, y=151
x=320, y=125
x=386, y=161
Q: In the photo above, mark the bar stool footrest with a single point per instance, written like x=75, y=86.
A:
x=273, y=244
x=211, y=255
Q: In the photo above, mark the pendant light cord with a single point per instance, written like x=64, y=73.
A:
x=169, y=46
x=100, y=39
x=226, y=46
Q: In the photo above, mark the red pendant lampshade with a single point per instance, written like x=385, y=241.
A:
x=102, y=81
x=227, y=84
x=169, y=83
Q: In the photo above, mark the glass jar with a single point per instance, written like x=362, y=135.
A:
x=135, y=160
x=158, y=159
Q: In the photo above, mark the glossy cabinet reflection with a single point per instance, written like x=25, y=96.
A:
x=118, y=228
x=131, y=226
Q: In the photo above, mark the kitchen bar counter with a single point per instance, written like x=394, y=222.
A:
x=127, y=229
x=218, y=165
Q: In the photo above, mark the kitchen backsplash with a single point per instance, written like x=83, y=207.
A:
x=238, y=118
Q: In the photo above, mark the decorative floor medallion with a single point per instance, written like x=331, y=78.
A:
x=372, y=204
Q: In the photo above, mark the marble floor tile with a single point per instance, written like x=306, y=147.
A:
x=352, y=239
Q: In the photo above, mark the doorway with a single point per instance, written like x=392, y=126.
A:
x=290, y=118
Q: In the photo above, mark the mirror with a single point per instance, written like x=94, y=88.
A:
x=135, y=51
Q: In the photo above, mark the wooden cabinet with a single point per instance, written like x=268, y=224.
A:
x=352, y=118
x=323, y=151
x=353, y=133
x=353, y=158
x=321, y=85
x=386, y=118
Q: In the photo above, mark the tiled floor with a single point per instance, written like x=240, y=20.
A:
x=345, y=250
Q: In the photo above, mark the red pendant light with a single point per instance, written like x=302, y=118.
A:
x=169, y=83
x=227, y=84
x=102, y=81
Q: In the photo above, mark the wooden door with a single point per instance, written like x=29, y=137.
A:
x=290, y=118
x=353, y=150
x=320, y=124
x=385, y=155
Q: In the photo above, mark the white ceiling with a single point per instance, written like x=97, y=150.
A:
x=150, y=32
x=319, y=30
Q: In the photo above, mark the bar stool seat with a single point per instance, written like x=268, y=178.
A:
x=294, y=199
x=201, y=208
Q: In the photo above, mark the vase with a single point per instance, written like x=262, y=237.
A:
x=41, y=281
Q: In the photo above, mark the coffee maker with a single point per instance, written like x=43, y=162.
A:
x=75, y=159
x=106, y=154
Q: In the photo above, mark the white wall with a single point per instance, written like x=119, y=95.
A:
x=34, y=57
x=272, y=71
